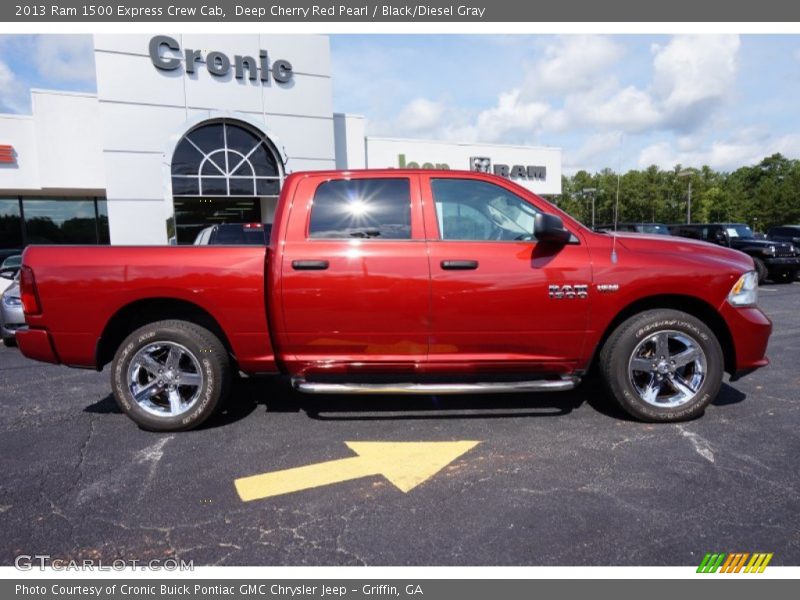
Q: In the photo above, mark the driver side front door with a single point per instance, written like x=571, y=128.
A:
x=491, y=305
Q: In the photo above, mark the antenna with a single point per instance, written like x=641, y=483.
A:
x=616, y=201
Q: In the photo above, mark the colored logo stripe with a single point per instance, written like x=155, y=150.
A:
x=758, y=563
x=711, y=563
x=734, y=562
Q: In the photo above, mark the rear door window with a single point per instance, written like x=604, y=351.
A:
x=378, y=209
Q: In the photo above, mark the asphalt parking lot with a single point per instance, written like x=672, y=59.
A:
x=556, y=479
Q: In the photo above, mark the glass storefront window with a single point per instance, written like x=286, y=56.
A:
x=51, y=221
x=224, y=158
x=10, y=223
x=192, y=215
x=103, y=235
x=223, y=173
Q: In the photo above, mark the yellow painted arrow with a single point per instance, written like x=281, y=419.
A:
x=405, y=464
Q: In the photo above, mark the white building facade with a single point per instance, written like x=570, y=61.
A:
x=186, y=131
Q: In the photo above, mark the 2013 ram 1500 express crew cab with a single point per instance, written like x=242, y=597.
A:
x=398, y=281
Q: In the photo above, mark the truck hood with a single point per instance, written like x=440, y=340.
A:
x=695, y=250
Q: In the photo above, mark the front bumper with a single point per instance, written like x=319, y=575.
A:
x=783, y=263
x=750, y=330
x=11, y=321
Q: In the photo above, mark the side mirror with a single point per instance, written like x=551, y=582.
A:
x=8, y=273
x=550, y=229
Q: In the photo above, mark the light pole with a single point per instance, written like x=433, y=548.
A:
x=688, y=173
x=593, y=193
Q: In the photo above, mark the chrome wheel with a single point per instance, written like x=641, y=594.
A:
x=667, y=369
x=165, y=379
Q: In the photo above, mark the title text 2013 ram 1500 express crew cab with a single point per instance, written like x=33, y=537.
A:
x=401, y=282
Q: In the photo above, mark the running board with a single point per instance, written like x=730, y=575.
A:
x=500, y=387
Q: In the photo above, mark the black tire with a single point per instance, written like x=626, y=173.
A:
x=784, y=277
x=200, y=353
x=761, y=269
x=9, y=342
x=618, y=353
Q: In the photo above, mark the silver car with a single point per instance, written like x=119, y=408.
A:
x=11, y=317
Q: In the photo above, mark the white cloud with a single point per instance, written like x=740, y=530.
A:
x=64, y=58
x=594, y=154
x=14, y=96
x=627, y=109
x=571, y=63
x=512, y=119
x=583, y=88
x=422, y=114
x=692, y=75
x=746, y=147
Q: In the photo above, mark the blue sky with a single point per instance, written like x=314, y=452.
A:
x=607, y=101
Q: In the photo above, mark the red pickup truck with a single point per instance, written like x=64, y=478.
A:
x=401, y=281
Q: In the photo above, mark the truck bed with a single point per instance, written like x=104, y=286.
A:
x=87, y=291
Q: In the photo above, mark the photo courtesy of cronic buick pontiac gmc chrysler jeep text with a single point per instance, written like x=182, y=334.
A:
x=407, y=281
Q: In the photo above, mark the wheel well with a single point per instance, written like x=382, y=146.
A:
x=688, y=304
x=142, y=312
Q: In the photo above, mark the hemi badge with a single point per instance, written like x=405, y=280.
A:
x=607, y=287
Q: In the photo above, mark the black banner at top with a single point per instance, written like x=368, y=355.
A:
x=266, y=11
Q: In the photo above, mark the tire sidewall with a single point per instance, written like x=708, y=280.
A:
x=642, y=328
x=210, y=391
x=761, y=270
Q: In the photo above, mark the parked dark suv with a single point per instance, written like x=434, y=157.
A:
x=654, y=228
x=780, y=261
x=785, y=233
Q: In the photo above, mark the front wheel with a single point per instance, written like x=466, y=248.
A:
x=662, y=365
x=761, y=270
x=170, y=375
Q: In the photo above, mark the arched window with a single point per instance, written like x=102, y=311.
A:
x=225, y=158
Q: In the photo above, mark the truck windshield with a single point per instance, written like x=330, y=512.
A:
x=739, y=231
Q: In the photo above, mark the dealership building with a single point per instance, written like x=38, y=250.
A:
x=187, y=131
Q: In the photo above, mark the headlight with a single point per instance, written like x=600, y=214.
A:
x=769, y=250
x=11, y=301
x=745, y=291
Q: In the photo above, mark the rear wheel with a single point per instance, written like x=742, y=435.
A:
x=170, y=375
x=662, y=365
x=9, y=342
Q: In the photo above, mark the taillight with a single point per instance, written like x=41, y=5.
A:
x=28, y=292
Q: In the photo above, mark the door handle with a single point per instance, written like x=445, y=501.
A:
x=459, y=265
x=309, y=265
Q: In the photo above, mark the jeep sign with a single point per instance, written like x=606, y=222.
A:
x=165, y=54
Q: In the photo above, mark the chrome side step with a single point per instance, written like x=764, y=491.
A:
x=501, y=387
